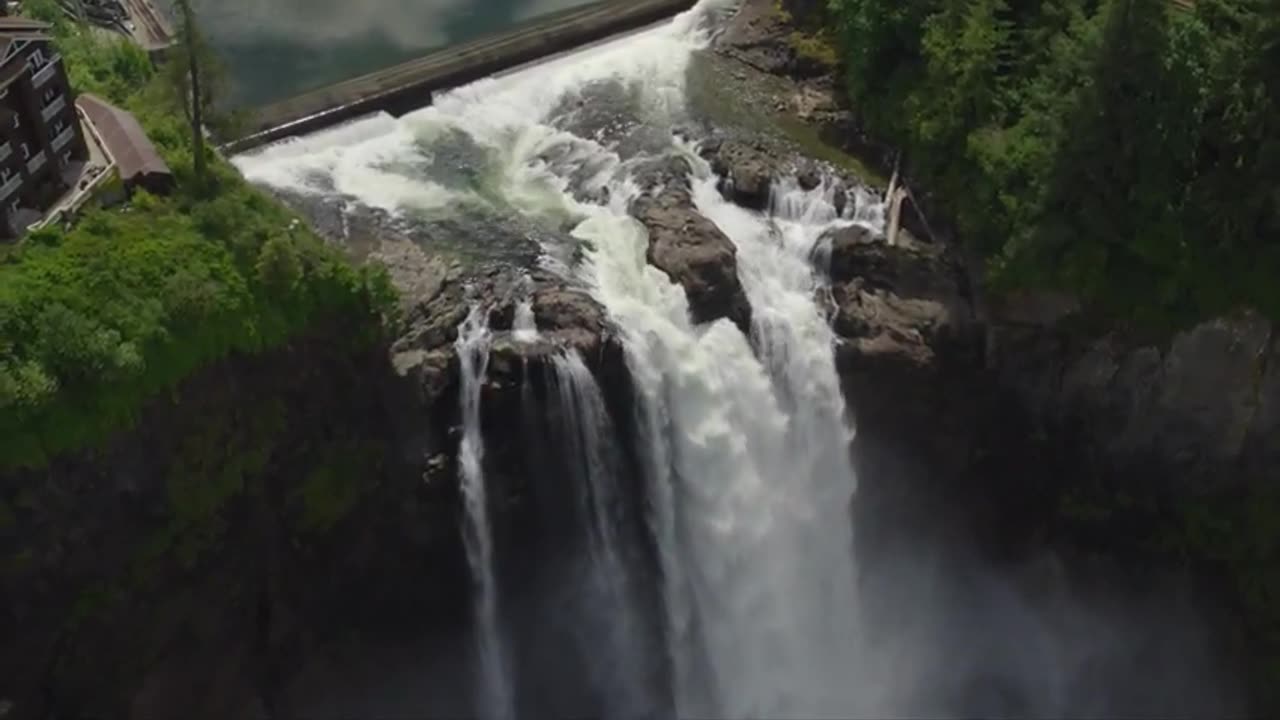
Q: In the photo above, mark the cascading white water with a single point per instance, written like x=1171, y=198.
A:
x=746, y=455
x=749, y=457
x=473, y=355
x=620, y=655
x=743, y=441
x=524, y=327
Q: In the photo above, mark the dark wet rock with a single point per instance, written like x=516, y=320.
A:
x=183, y=567
x=747, y=171
x=809, y=176
x=454, y=159
x=756, y=36
x=840, y=199
x=614, y=115
x=1198, y=411
x=644, y=140
x=909, y=268
x=604, y=111
x=665, y=171
x=692, y=251
x=898, y=305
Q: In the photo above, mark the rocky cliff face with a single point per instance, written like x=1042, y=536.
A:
x=188, y=564
x=928, y=360
x=283, y=522
x=690, y=249
x=201, y=564
x=1200, y=409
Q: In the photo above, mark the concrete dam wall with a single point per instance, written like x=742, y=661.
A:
x=405, y=87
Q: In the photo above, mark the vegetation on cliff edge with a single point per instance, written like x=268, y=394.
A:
x=96, y=320
x=1124, y=150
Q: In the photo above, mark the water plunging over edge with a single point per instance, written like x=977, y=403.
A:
x=747, y=468
x=621, y=652
x=473, y=343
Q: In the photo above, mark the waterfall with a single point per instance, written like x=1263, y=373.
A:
x=619, y=649
x=524, y=328
x=743, y=440
x=746, y=456
x=473, y=355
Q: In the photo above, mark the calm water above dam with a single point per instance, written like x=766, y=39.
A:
x=278, y=48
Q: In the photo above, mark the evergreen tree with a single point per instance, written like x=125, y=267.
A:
x=199, y=82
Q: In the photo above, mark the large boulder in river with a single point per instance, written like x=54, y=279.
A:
x=695, y=253
x=746, y=170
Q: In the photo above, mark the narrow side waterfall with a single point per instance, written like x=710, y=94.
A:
x=473, y=356
x=620, y=650
x=524, y=328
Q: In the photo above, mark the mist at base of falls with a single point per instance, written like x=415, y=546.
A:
x=736, y=586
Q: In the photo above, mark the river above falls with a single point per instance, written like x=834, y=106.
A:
x=277, y=49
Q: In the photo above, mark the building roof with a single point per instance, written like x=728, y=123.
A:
x=14, y=24
x=125, y=140
x=13, y=29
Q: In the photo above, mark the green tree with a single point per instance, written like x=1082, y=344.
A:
x=278, y=266
x=198, y=81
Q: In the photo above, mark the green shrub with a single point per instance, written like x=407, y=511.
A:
x=96, y=321
x=1125, y=150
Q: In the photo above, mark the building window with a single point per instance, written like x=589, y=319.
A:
x=26, y=151
x=57, y=126
x=5, y=174
x=66, y=158
x=13, y=207
x=17, y=121
x=37, y=59
x=49, y=95
x=4, y=93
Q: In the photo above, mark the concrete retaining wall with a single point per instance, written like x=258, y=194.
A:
x=408, y=86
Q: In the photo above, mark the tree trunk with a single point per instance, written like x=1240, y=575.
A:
x=197, y=100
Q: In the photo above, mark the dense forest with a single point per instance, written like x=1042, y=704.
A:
x=1127, y=151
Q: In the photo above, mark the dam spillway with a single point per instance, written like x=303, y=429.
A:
x=408, y=86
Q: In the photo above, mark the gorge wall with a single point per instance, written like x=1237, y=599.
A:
x=284, y=526
x=1097, y=438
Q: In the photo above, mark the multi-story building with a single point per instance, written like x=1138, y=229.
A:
x=42, y=149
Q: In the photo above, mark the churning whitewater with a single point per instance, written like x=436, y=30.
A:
x=745, y=440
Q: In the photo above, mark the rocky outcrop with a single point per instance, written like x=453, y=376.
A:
x=692, y=251
x=746, y=171
x=1199, y=411
x=910, y=361
x=760, y=35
